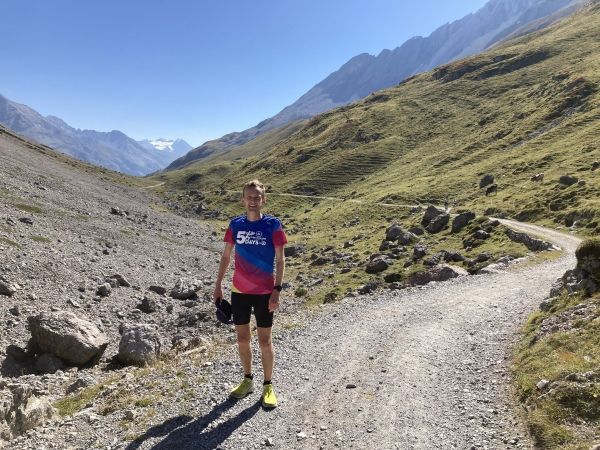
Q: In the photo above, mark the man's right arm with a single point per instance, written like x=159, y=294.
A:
x=223, y=266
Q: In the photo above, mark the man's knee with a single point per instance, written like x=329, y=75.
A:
x=264, y=340
x=243, y=337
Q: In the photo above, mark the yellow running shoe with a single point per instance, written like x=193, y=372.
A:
x=243, y=389
x=269, y=399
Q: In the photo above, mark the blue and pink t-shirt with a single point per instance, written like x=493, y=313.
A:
x=255, y=243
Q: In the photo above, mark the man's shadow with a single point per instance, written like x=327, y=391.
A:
x=185, y=433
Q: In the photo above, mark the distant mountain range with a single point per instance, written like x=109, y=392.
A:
x=113, y=150
x=364, y=74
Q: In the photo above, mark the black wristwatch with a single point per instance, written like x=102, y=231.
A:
x=278, y=288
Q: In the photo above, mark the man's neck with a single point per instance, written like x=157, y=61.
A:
x=253, y=216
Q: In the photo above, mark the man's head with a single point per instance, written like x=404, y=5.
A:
x=253, y=196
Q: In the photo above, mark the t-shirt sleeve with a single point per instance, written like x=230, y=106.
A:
x=279, y=237
x=229, y=236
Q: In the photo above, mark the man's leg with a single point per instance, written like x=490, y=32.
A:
x=243, y=340
x=266, y=351
x=264, y=322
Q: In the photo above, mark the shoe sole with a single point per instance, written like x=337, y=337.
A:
x=266, y=405
x=239, y=397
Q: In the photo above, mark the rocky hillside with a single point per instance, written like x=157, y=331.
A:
x=365, y=73
x=113, y=150
x=88, y=252
x=556, y=365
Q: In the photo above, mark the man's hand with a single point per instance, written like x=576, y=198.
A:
x=274, y=301
x=217, y=293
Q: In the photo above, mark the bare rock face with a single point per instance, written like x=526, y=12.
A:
x=21, y=411
x=140, y=345
x=185, y=289
x=74, y=340
x=440, y=272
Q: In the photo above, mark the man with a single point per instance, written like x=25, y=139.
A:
x=258, y=240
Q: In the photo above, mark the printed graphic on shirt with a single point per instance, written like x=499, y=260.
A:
x=255, y=244
x=250, y=238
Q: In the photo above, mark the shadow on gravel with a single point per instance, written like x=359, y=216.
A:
x=17, y=363
x=194, y=435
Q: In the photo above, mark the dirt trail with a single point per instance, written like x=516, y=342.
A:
x=417, y=369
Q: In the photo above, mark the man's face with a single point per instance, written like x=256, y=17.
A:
x=253, y=199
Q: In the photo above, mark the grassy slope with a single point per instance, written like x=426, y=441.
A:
x=529, y=106
x=566, y=413
x=220, y=164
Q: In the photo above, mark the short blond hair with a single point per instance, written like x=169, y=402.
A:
x=256, y=184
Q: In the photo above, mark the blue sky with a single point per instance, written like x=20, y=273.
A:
x=191, y=68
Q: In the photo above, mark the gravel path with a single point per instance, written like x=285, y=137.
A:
x=420, y=368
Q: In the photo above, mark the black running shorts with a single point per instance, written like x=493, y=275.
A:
x=242, y=305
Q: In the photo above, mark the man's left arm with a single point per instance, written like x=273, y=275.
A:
x=279, y=272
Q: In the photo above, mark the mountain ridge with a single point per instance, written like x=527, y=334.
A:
x=365, y=73
x=113, y=150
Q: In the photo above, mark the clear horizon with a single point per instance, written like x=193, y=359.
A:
x=192, y=71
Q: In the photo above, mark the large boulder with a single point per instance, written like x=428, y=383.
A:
x=74, y=340
x=294, y=250
x=378, y=264
x=567, y=180
x=588, y=258
x=461, y=220
x=185, y=288
x=140, y=345
x=393, y=232
x=486, y=180
x=430, y=213
x=419, y=251
x=535, y=245
x=440, y=272
x=396, y=233
x=438, y=223
x=21, y=411
x=574, y=280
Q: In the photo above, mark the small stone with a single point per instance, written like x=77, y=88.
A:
x=269, y=442
x=7, y=288
x=103, y=290
x=542, y=384
x=301, y=435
